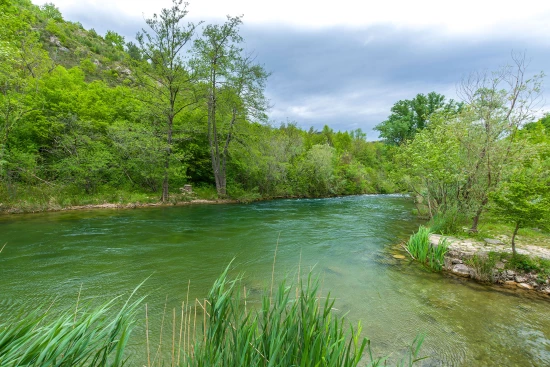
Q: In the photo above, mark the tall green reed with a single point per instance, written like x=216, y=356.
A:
x=86, y=337
x=292, y=326
x=420, y=249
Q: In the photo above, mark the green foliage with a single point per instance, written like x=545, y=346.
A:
x=529, y=264
x=419, y=244
x=81, y=125
x=409, y=117
x=115, y=39
x=448, y=222
x=420, y=248
x=50, y=11
x=524, y=199
x=85, y=337
x=315, y=171
x=284, y=331
x=483, y=265
x=436, y=256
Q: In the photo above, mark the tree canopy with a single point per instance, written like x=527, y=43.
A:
x=411, y=116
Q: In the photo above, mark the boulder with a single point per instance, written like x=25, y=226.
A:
x=520, y=279
x=461, y=270
x=491, y=241
x=456, y=261
x=510, y=273
x=55, y=41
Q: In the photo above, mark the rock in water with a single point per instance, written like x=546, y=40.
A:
x=525, y=286
x=461, y=270
x=400, y=257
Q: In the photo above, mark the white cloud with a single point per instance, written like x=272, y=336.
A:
x=466, y=16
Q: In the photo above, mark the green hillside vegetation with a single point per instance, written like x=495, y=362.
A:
x=84, y=121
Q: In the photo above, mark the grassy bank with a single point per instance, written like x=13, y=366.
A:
x=41, y=198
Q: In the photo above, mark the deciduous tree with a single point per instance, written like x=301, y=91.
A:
x=165, y=75
x=234, y=91
x=408, y=117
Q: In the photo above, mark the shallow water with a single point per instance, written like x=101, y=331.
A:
x=348, y=241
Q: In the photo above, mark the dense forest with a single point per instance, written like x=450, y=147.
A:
x=87, y=119
x=90, y=116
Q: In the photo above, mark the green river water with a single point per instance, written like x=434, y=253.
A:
x=348, y=241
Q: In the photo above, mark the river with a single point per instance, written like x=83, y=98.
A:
x=347, y=241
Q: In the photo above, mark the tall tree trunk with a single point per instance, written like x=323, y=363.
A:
x=219, y=174
x=514, y=238
x=475, y=220
x=165, y=194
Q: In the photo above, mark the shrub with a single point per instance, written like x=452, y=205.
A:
x=483, y=265
x=448, y=222
x=529, y=264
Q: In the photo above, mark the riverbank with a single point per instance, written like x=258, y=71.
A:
x=134, y=205
x=139, y=200
x=491, y=261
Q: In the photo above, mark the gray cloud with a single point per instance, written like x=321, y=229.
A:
x=350, y=78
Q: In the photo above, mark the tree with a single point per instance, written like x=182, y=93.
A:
x=51, y=12
x=408, y=117
x=433, y=164
x=234, y=90
x=23, y=62
x=524, y=200
x=165, y=77
x=115, y=39
x=315, y=171
x=545, y=121
x=499, y=104
x=133, y=51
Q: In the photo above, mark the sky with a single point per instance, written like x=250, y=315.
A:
x=345, y=63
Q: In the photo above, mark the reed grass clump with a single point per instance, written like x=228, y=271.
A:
x=291, y=326
x=420, y=249
x=87, y=337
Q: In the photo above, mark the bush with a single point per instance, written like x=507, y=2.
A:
x=448, y=222
x=483, y=266
x=529, y=264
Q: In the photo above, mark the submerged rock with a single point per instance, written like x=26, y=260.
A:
x=510, y=284
x=525, y=286
x=398, y=256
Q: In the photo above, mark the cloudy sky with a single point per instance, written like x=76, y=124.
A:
x=344, y=63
